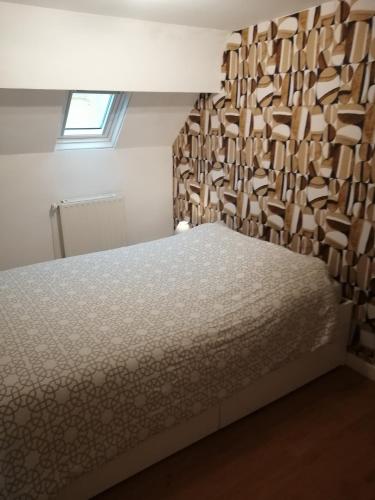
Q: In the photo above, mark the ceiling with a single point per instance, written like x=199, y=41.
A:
x=220, y=14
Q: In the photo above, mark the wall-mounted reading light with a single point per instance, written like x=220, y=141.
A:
x=182, y=226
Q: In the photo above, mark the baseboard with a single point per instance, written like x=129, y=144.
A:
x=360, y=366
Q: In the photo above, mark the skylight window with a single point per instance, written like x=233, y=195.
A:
x=88, y=113
x=92, y=120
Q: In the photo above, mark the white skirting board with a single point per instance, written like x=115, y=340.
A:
x=262, y=392
x=360, y=366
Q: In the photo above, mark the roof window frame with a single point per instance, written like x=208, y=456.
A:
x=114, y=119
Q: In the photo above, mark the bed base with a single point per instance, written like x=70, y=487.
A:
x=262, y=392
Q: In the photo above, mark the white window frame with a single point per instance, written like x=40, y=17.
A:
x=114, y=122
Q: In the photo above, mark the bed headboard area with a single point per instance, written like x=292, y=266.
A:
x=286, y=152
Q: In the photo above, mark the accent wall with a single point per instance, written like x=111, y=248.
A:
x=286, y=151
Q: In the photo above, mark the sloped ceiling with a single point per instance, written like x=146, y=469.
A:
x=153, y=118
x=30, y=120
x=221, y=14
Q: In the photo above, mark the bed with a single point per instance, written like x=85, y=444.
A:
x=111, y=361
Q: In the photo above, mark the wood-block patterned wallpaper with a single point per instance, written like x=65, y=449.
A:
x=286, y=152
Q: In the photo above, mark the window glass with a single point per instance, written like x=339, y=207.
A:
x=88, y=113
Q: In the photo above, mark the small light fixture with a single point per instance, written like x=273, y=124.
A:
x=182, y=226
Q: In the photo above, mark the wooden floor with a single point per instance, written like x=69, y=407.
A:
x=316, y=444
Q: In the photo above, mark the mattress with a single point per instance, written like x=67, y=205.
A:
x=101, y=351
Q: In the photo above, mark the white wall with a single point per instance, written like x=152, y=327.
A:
x=30, y=183
x=44, y=48
x=33, y=176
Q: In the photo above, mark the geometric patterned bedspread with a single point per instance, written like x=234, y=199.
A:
x=99, y=352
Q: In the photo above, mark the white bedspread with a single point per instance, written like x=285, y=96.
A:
x=100, y=351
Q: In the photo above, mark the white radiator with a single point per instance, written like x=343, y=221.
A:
x=91, y=224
